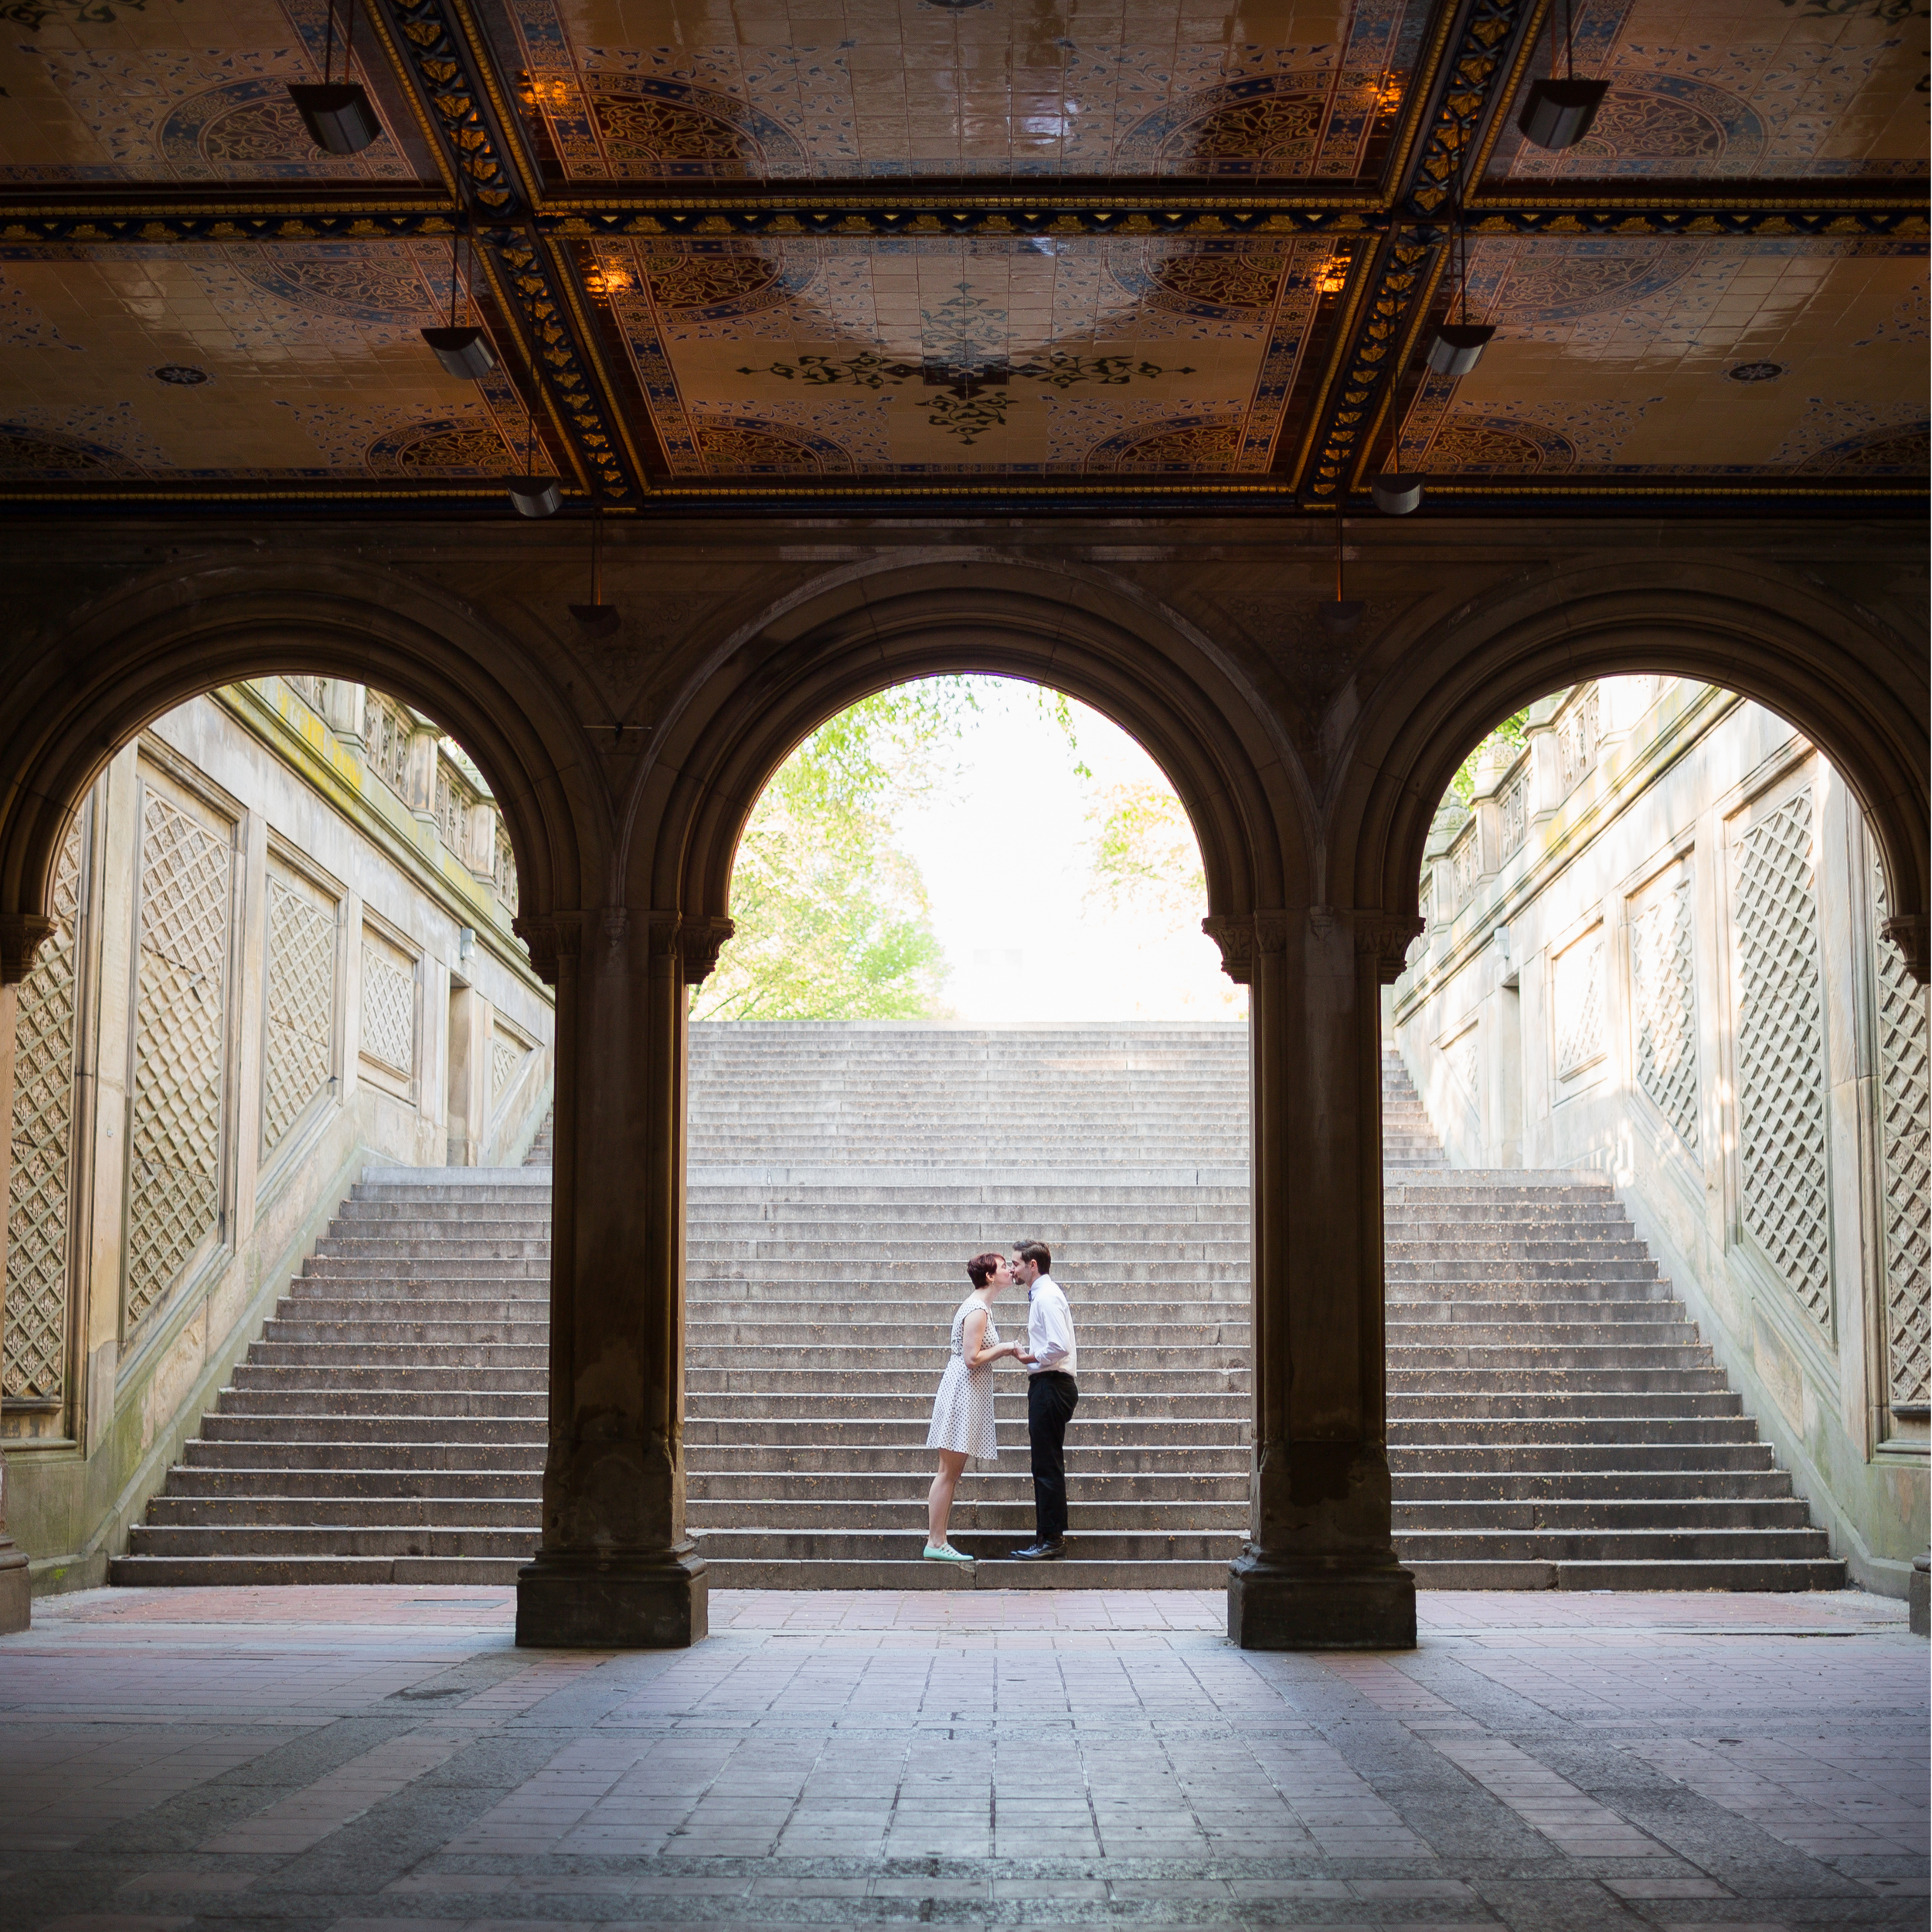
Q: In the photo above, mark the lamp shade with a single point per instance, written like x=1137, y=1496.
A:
x=1459, y=347
x=1340, y=613
x=596, y=620
x=463, y=352
x=1557, y=113
x=535, y=496
x=337, y=114
x=1396, y=494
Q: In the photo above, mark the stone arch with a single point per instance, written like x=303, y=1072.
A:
x=1197, y=716
x=114, y=666
x=1838, y=674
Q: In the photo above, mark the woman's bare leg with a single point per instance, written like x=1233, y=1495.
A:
x=939, y=1498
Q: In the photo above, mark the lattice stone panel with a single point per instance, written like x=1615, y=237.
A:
x=1780, y=1052
x=1580, y=1006
x=1905, y=1135
x=1665, y=997
x=506, y=1057
x=299, y=1039
x=388, y=1011
x=1465, y=1063
x=40, y=1191
x=181, y=1004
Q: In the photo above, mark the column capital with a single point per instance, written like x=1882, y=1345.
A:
x=23, y=934
x=1244, y=937
x=1385, y=938
x=701, y=941
x=1908, y=932
x=552, y=938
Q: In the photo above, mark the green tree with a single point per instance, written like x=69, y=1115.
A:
x=1144, y=854
x=832, y=917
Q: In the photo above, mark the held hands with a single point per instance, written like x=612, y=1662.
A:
x=1020, y=1354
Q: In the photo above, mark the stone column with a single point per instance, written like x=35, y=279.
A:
x=1319, y=1571
x=615, y=1568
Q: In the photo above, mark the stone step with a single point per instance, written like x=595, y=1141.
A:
x=441, y=1404
x=265, y=1422
x=336, y=1458
x=331, y=1539
x=1609, y=1546
x=1770, y=1573
x=183, y=1571
x=453, y=1486
x=1487, y=1414
x=1530, y=1476
x=871, y=1406
x=1467, y=1515
x=1168, y=1489
x=462, y=1513
x=1149, y=1448
x=1009, y=1516
x=749, y=1544
x=1588, y=1445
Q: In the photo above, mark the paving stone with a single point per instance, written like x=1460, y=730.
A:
x=1036, y=1758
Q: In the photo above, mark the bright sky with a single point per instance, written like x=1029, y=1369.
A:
x=1004, y=852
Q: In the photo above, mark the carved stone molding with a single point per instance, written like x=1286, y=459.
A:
x=700, y=941
x=1242, y=937
x=552, y=938
x=1386, y=939
x=22, y=935
x=1909, y=933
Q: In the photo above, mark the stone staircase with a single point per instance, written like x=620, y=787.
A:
x=1555, y=1421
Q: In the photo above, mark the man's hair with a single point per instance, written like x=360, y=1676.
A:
x=982, y=1268
x=1034, y=1251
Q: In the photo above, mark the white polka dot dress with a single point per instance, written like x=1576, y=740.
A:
x=963, y=1409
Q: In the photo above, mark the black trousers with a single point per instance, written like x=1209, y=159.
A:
x=1051, y=1398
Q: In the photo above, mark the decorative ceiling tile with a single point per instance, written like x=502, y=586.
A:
x=196, y=90
x=1803, y=88
x=658, y=91
x=1615, y=358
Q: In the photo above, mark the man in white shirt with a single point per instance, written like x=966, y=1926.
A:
x=1051, y=1363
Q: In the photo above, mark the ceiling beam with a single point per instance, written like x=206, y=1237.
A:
x=467, y=112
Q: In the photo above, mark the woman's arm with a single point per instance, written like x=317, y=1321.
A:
x=975, y=1334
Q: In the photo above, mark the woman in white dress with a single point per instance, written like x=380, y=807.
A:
x=963, y=1409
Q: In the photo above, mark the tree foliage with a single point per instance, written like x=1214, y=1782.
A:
x=1143, y=852
x=832, y=917
x=1462, y=788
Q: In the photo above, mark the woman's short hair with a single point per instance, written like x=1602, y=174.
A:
x=982, y=1268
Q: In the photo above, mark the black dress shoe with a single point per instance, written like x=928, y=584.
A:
x=1037, y=1552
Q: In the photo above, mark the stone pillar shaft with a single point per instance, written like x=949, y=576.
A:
x=1320, y=1570
x=615, y=1566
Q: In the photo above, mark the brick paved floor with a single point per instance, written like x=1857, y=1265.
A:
x=360, y=1760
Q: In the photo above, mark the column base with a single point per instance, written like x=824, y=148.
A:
x=1318, y=1606
x=568, y=1602
x=16, y=1593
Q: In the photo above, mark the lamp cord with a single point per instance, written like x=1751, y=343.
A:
x=328, y=43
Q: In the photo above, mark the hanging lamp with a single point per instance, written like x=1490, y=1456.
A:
x=1555, y=113
x=1396, y=494
x=597, y=618
x=462, y=349
x=1344, y=613
x=338, y=115
x=533, y=495
x=1458, y=346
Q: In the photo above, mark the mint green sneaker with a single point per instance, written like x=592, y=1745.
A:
x=946, y=1554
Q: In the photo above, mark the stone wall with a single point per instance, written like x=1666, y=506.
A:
x=283, y=951
x=1653, y=948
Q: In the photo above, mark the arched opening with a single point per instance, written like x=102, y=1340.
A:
x=276, y=959
x=1676, y=1063
x=968, y=1003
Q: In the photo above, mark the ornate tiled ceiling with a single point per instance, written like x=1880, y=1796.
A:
x=796, y=248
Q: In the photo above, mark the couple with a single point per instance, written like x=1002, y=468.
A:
x=963, y=1410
